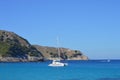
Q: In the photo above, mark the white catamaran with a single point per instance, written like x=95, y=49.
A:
x=57, y=61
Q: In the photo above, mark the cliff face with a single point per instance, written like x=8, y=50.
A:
x=51, y=52
x=15, y=48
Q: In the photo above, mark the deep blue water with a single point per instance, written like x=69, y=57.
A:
x=76, y=70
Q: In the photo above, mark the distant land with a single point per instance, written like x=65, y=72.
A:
x=14, y=48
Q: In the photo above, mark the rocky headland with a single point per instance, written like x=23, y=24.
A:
x=14, y=48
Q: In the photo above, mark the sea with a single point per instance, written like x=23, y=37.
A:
x=76, y=70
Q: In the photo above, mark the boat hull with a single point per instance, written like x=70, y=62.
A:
x=57, y=63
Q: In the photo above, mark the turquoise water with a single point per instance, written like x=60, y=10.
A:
x=76, y=70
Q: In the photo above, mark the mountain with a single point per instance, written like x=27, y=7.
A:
x=15, y=48
x=51, y=52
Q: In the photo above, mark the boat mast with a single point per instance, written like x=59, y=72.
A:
x=58, y=50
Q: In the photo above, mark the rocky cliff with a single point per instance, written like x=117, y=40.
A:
x=15, y=48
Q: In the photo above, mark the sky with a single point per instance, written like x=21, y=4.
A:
x=91, y=26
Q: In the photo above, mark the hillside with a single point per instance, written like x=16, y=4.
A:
x=15, y=48
x=65, y=53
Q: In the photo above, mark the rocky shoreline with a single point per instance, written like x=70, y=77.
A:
x=33, y=59
x=14, y=59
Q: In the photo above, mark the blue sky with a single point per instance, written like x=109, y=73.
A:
x=91, y=26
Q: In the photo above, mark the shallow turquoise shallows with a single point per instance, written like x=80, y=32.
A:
x=76, y=70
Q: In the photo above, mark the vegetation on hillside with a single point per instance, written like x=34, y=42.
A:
x=12, y=45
